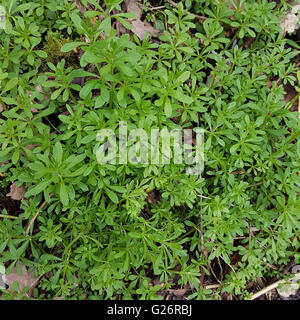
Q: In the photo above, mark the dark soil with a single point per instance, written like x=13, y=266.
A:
x=11, y=206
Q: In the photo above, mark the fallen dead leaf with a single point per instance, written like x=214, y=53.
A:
x=133, y=6
x=140, y=27
x=180, y=292
x=289, y=23
x=17, y=193
x=291, y=287
x=27, y=279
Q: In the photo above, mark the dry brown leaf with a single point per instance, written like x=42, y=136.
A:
x=1, y=108
x=140, y=27
x=291, y=287
x=133, y=6
x=79, y=6
x=27, y=279
x=180, y=292
x=289, y=22
x=16, y=193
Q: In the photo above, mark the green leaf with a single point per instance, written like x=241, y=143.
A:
x=134, y=235
x=10, y=84
x=124, y=23
x=183, y=77
x=63, y=194
x=168, y=108
x=38, y=188
x=57, y=152
x=234, y=148
x=41, y=54
x=120, y=94
x=56, y=93
x=71, y=45
x=9, y=100
x=79, y=73
x=112, y=196
x=182, y=97
x=2, y=269
x=118, y=189
x=99, y=102
x=76, y=20
x=106, y=25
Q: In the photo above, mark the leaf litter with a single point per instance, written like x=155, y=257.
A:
x=139, y=27
x=25, y=280
x=16, y=193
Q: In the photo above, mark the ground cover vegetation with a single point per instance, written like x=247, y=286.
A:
x=92, y=231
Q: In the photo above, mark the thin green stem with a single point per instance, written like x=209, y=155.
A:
x=9, y=217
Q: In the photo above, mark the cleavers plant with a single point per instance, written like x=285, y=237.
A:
x=106, y=231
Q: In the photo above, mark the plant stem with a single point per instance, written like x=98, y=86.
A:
x=9, y=217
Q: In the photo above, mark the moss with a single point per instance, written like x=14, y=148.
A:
x=53, y=49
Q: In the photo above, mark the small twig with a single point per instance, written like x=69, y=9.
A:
x=213, y=286
x=238, y=172
x=231, y=267
x=79, y=6
x=156, y=8
x=201, y=196
x=255, y=184
x=213, y=273
x=35, y=216
x=200, y=17
x=172, y=3
x=271, y=287
x=266, y=289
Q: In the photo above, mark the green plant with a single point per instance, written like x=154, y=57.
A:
x=98, y=226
